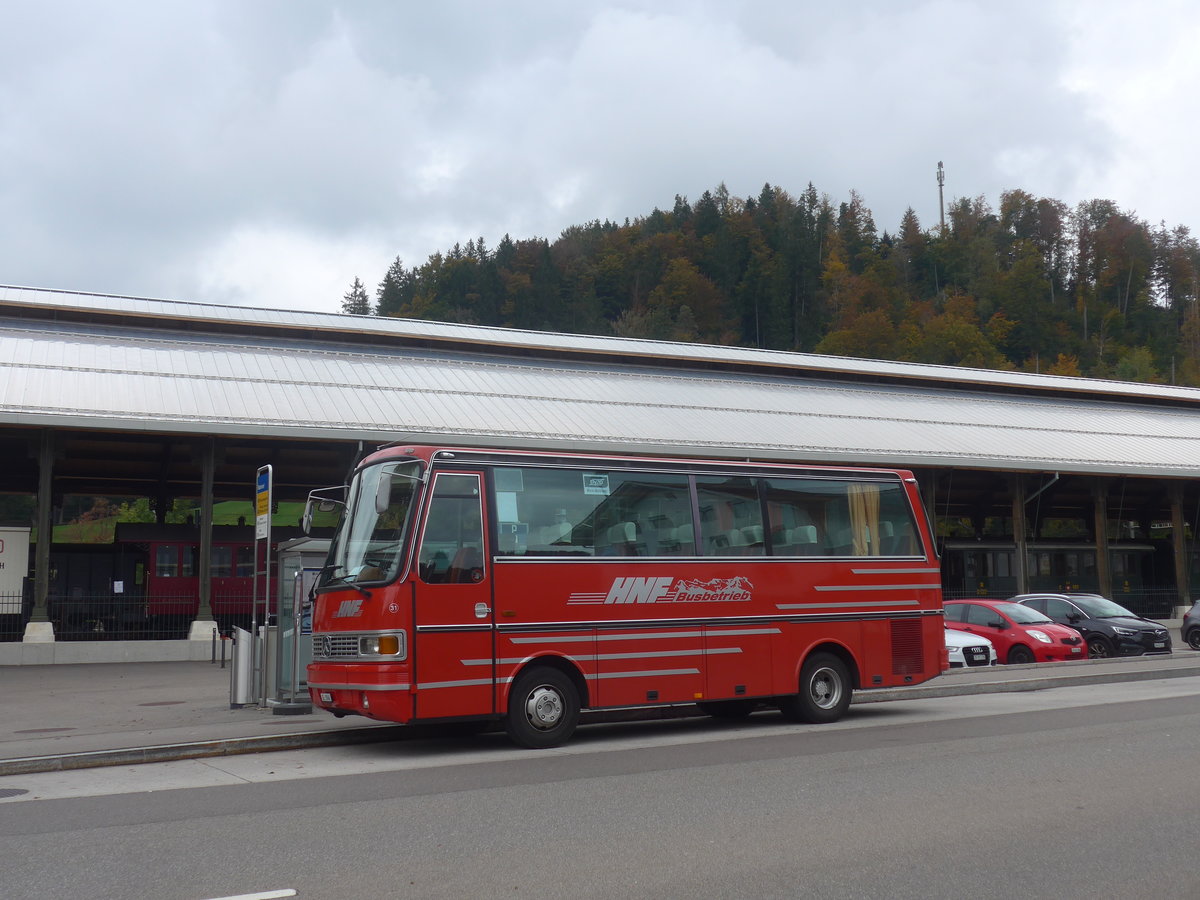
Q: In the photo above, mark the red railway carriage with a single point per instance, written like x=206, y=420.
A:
x=527, y=586
x=165, y=574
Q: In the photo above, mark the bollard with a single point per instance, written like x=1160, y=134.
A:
x=214, y=647
x=223, y=642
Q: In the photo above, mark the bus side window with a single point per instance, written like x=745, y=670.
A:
x=793, y=509
x=730, y=516
x=897, y=533
x=452, y=545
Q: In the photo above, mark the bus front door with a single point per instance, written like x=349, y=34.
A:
x=453, y=653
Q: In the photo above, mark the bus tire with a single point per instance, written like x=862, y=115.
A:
x=825, y=691
x=543, y=708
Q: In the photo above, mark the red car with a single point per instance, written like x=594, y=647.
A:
x=1021, y=634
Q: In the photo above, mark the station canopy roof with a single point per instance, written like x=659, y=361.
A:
x=87, y=361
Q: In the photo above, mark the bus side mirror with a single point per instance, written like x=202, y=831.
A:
x=383, y=495
x=315, y=505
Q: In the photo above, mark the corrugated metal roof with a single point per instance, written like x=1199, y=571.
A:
x=150, y=312
x=174, y=378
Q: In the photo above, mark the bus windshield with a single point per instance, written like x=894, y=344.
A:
x=369, y=543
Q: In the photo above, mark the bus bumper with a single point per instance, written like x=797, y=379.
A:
x=377, y=691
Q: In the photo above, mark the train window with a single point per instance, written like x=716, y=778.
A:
x=222, y=562
x=190, y=558
x=166, y=561
x=245, y=562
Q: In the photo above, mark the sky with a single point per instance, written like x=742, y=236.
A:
x=265, y=153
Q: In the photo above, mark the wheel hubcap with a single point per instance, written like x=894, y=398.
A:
x=826, y=688
x=544, y=708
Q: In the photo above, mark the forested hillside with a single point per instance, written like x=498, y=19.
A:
x=1032, y=285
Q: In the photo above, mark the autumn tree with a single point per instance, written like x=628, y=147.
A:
x=1091, y=291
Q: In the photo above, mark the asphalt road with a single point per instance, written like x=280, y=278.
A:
x=1070, y=792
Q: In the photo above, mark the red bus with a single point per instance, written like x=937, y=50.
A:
x=525, y=587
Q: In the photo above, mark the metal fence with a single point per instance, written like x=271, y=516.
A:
x=117, y=617
x=1152, y=603
x=14, y=612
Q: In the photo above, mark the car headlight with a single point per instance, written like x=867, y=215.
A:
x=1039, y=636
x=1126, y=632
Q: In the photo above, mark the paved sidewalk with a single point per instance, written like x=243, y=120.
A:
x=80, y=716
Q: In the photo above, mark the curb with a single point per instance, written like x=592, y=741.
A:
x=941, y=689
x=374, y=734
x=132, y=756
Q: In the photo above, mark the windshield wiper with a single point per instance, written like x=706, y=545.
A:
x=344, y=579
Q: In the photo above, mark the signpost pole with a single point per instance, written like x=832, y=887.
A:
x=262, y=551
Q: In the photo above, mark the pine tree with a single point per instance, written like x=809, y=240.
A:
x=395, y=291
x=355, y=301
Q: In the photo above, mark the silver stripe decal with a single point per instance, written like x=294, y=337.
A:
x=577, y=639
x=607, y=675
x=598, y=657
x=896, y=571
x=473, y=682
x=875, y=587
x=732, y=631
x=848, y=604
x=690, y=560
x=360, y=687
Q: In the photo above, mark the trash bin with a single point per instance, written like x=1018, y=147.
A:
x=241, y=679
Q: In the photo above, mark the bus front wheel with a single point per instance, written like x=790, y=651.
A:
x=543, y=708
x=825, y=691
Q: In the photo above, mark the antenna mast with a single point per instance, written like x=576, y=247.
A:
x=941, y=177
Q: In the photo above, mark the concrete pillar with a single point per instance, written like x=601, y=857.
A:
x=204, y=624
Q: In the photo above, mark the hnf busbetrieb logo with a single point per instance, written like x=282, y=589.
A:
x=669, y=589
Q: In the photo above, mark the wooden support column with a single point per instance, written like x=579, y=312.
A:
x=1021, y=555
x=1179, y=545
x=1100, y=517
x=207, y=465
x=929, y=495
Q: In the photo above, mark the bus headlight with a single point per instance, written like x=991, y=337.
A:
x=382, y=645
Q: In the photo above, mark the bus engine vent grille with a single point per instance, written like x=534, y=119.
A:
x=908, y=651
x=335, y=646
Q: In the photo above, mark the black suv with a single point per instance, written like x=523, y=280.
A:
x=1109, y=628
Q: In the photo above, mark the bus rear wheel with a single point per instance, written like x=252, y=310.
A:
x=825, y=691
x=543, y=708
